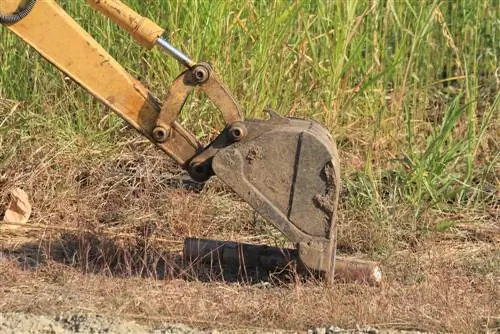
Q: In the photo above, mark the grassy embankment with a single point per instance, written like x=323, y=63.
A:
x=409, y=92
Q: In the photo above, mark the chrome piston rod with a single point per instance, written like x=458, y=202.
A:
x=177, y=54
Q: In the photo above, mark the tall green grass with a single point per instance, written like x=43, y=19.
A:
x=409, y=89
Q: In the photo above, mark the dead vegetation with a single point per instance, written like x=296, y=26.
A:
x=105, y=237
x=425, y=294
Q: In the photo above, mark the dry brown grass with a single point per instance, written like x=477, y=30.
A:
x=422, y=291
x=107, y=230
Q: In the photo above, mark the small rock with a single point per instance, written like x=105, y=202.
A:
x=334, y=330
x=19, y=208
x=319, y=330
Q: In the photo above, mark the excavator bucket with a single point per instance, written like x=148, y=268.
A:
x=288, y=171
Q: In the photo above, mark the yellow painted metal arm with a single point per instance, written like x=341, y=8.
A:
x=58, y=38
x=142, y=29
x=10, y=6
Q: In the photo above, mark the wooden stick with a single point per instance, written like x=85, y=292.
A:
x=234, y=254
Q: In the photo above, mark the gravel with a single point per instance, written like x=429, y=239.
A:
x=337, y=330
x=22, y=323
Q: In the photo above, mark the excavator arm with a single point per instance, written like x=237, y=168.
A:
x=286, y=169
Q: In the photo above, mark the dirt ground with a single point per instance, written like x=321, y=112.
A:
x=17, y=323
x=103, y=242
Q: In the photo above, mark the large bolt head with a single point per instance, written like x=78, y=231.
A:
x=237, y=131
x=200, y=74
x=160, y=134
